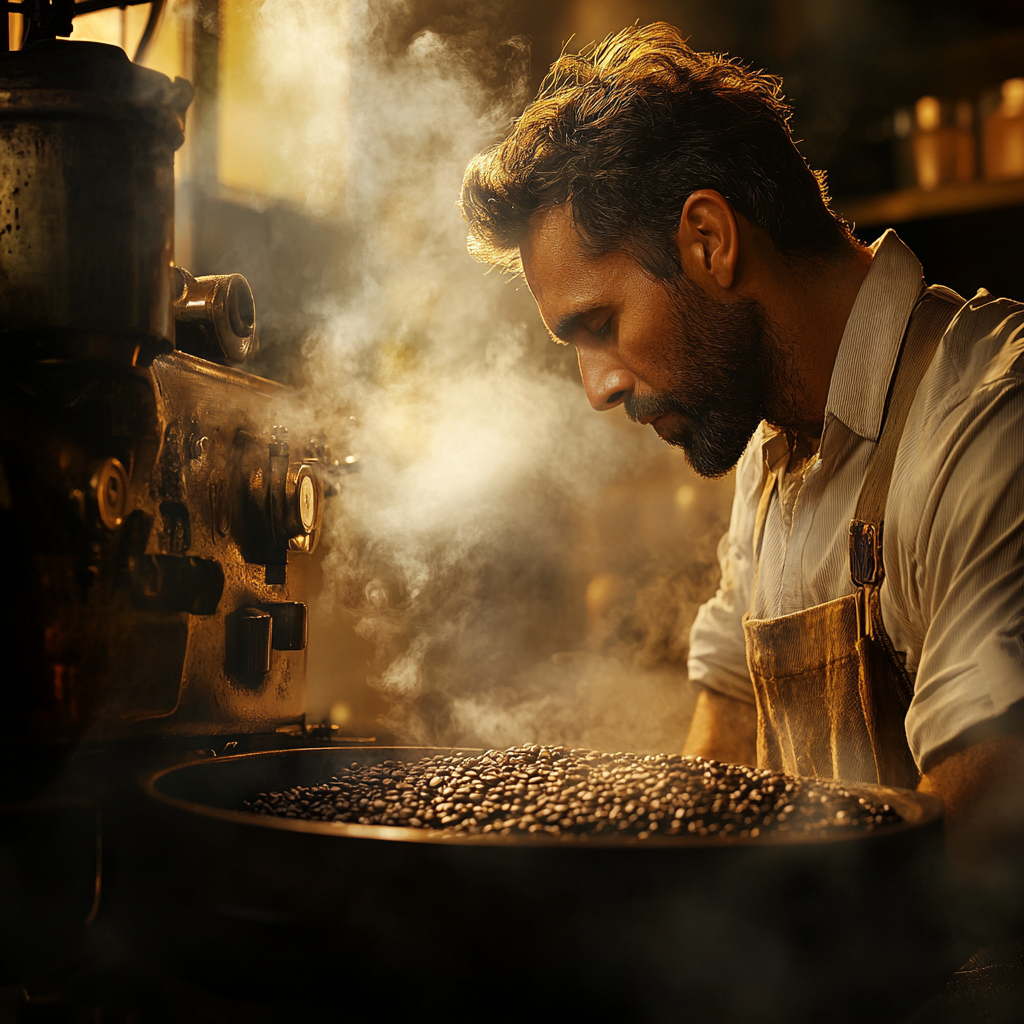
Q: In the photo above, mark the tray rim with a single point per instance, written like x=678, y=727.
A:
x=929, y=810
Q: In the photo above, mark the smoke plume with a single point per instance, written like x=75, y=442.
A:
x=521, y=568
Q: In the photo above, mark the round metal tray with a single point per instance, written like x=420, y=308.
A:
x=218, y=787
x=784, y=927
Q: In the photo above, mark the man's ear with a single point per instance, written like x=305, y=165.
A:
x=709, y=241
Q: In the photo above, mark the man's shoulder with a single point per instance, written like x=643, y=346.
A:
x=985, y=342
x=979, y=361
x=967, y=410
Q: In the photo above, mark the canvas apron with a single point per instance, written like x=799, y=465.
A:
x=831, y=692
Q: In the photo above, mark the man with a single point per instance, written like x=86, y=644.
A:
x=670, y=230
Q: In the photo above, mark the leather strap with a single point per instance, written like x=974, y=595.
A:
x=932, y=315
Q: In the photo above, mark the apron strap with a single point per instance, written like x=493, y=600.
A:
x=928, y=323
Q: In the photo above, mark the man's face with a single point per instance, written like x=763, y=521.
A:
x=698, y=371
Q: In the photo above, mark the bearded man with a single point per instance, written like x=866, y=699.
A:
x=670, y=230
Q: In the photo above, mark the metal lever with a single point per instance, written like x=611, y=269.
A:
x=255, y=630
x=290, y=628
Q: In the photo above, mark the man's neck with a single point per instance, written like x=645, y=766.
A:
x=808, y=304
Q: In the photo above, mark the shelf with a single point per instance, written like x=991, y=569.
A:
x=945, y=201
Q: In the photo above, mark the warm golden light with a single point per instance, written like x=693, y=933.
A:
x=124, y=28
x=929, y=113
x=282, y=101
x=341, y=714
x=602, y=592
x=685, y=497
x=1013, y=97
x=15, y=26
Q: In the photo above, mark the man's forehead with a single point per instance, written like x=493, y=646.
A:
x=552, y=243
x=557, y=266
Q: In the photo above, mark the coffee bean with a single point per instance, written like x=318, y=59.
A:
x=534, y=789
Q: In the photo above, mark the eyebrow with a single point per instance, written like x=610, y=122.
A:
x=566, y=326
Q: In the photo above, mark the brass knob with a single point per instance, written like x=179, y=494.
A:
x=108, y=487
x=304, y=506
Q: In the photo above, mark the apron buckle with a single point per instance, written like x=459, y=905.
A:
x=867, y=569
x=866, y=566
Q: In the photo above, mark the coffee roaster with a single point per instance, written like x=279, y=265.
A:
x=162, y=514
x=159, y=520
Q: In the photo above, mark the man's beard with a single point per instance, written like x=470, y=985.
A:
x=727, y=372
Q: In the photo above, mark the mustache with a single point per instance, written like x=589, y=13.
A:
x=648, y=407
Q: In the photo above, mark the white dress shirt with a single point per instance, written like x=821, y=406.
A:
x=953, y=597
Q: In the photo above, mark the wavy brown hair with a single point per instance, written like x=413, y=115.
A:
x=625, y=131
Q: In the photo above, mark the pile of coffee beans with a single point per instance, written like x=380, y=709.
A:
x=550, y=789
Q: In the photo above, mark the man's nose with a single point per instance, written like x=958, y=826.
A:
x=605, y=378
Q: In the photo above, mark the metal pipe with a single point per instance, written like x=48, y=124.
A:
x=215, y=316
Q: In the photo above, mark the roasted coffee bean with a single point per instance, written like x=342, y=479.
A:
x=554, y=791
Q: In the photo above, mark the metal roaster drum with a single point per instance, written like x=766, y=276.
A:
x=87, y=143
x=784, y=927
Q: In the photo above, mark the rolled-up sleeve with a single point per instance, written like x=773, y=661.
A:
x=718, y=657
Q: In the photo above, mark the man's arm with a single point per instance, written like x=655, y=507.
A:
x=724, y=724
x=982, y=786
x=723, y=728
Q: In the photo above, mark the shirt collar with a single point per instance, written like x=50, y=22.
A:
x=774, y=447
x=871, y=340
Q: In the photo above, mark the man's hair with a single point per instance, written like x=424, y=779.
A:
x=625, y=132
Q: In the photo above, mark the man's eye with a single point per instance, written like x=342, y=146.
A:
x=604, y=329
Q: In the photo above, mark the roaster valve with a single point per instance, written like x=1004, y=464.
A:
x=296, y=496
x=284, y=507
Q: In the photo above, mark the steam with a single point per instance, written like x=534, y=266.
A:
x=303, y=52
x=468, y=553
